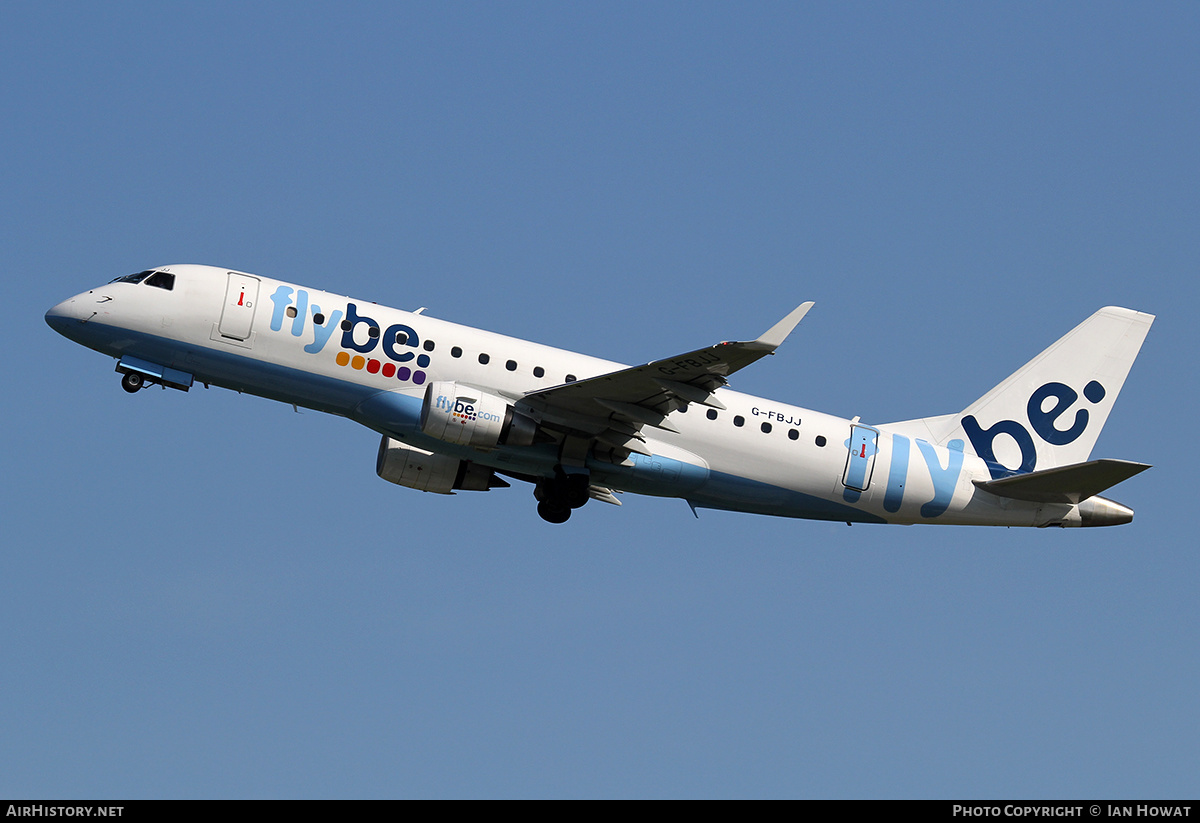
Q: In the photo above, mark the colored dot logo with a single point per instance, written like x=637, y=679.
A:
x=373, y=366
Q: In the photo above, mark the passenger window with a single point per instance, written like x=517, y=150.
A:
x=511, y=365
x=793, y=434
x=766, y=428
x=712, y=414
x=373, y=331
x=456, y=352
x=429, y=345
x=571, y=378
x=739, y=421
x=290, y=311
x=483, y=358
x=538, y=371
x=821, y=440
x=319, y=319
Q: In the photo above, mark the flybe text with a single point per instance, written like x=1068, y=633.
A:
x=294, y=310
x=463, y=410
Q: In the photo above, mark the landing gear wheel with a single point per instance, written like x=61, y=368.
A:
x=132, y=381
x=553, y=514
x=576, y=490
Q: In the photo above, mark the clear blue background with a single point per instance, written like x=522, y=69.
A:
x=207, y=594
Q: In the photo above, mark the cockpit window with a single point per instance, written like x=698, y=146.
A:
x=133, y=278
x=161, y=280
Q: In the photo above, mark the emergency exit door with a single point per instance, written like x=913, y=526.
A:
x=237, y=317
x=861, y=460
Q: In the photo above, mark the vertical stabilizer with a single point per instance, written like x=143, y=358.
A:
x=1050, y=411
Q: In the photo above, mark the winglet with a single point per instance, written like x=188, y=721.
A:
x=775, y=335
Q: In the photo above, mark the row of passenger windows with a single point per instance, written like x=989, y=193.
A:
x=765, y=428
x=429, y=345
x=510, y=365
x=319, y=319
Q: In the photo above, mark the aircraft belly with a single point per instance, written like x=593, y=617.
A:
x=734, y=493
x=670, y=472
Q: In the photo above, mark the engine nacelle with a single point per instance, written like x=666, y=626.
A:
x=467, y=416
x=416, y=468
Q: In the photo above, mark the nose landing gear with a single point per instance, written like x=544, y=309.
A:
x=136, y=374
x=131, y=381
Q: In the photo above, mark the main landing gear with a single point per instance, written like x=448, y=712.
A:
x=557, y=496
x=553, y=513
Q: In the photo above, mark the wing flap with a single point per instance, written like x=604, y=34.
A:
x=603, y=494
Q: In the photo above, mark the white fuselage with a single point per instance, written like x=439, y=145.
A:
x=289, y=343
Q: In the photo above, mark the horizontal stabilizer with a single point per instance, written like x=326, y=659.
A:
x=1064, y=484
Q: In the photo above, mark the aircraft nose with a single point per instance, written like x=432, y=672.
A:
x=60, y=316
x=66, y=317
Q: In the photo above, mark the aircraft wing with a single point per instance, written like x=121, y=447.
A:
x=614, y=407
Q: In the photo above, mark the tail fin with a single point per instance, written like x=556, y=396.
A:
x=1050, y=411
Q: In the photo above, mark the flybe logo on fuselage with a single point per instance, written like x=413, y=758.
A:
x=397, y=342
x=1041, y=420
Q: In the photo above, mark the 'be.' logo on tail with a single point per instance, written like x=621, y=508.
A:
x=1043, y=421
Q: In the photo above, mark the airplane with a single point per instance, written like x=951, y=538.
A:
x=462, y=409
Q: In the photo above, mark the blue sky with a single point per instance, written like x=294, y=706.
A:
x=210, y=595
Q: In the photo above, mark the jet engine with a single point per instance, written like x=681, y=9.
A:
x=469, y=417
x=416, y=468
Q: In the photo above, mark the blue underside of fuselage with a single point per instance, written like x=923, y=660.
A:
x=740, y=494
x=398, y=415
